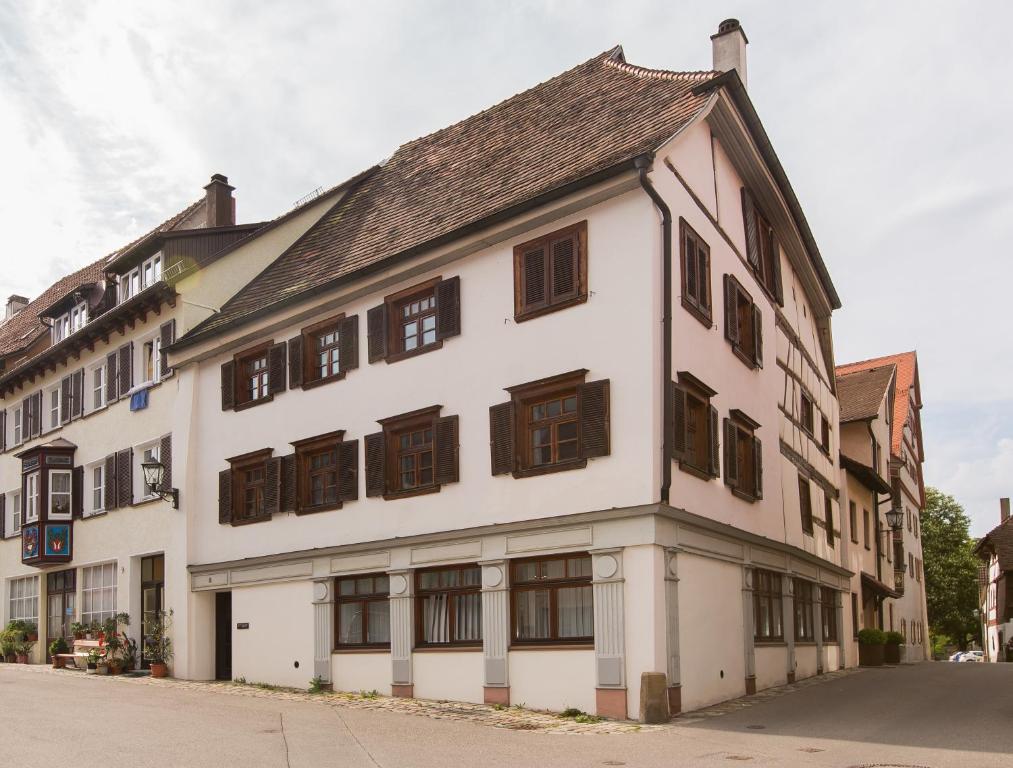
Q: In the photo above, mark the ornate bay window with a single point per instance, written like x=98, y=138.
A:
x=51, y=498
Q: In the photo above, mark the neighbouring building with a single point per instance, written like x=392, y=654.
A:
x=544, y=402
x=996, y=551
x=881, y=404
x=87, y=397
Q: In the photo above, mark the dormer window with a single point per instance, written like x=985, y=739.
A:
x=144, y=276
x=71, y=322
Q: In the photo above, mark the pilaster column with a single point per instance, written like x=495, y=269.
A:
x=323, y=628
x=674, y=669
x=788, y=623
x=818, y=627
x=609, y=633
x=749, y=629
x=842, y=632
x=495, y=631
x=402, y=632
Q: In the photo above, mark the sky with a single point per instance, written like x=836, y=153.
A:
x=891, y=119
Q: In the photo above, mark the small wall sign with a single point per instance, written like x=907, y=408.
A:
x=243, y=625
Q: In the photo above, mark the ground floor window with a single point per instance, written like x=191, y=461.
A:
x=552, y=601
x=767, y=616
x=449, y=610
x=363, y=611
x=828, y=614
x=804, y=611
x=98, y=593
x=24, y=599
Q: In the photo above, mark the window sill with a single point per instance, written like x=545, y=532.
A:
x=252, y=403
x=407, y=494
x=314, y=383
x=769, y=643
x=744, y=495
x=394, y=357
x=805, y=643
x=588, y=646
x=314, y=510
x=362, y=649
x=689, y=469
x=145, y=501
x=94, y=513
x=707, y=321
x=446, y=648
x=548, y=469
x=520, y=317
x=250, y=521
x=746, y=358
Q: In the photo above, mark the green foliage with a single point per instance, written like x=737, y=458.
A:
x=59, y=645
x=951, y=568
x=871, y=636
x=373, y=694
x=158, y=643
x=894, y=638
x=571, y=712
x=317, y=684
x=584, y=718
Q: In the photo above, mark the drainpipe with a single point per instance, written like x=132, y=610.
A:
x=642, y=164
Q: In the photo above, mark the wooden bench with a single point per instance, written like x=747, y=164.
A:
x=81, y=650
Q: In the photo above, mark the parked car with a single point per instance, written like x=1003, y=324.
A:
x=973, y=656
x=956, y=656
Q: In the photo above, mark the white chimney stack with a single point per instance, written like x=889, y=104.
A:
x=729, y=46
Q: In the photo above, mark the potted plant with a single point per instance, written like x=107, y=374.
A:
x=112, y=640
x=871, y=647
x=31, y=631
x=8, y=639
x=78, y=630
x=58, y=646
x=129, y=653
x=158, y=644
x=892, y=648
x=22, y=650
x=94, y=657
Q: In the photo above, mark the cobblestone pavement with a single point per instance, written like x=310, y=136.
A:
x=513, y=718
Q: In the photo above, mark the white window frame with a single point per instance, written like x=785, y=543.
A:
x=23, y=599
x=143, y=493
x=151, y=271
x=14, y=502
x=155, y=344
x=31, y=498
x=93, y=389
x=98, y=583
x=18, y=424
x=78, y=317
x=69, y=493
x=53, y=413
x=96, y=488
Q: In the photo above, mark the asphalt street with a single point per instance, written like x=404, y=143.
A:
x=927, y=716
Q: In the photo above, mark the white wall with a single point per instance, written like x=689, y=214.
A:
x=453, y=675
x=361, y=672
x=281, y=633
x=552, y=679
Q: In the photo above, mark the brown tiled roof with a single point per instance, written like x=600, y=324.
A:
x=25, y=327
x=907, y=368
x=861, y=392
x=1000, y=541
x=587, y=120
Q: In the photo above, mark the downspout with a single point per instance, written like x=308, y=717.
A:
x=642, y=164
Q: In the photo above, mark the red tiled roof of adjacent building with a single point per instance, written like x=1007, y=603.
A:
x=1000, y=541
x=21, y=331
x=592, y=118
x=906, y=364
x=860, y=392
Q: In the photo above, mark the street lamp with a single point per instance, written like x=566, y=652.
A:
x=154, y=474
x=895, y=518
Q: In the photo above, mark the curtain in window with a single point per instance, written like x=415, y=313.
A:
x=575, y=615
x=468, y=612
x=350, y=623
x=435, y=619
x=532, y=614
x=378, y=626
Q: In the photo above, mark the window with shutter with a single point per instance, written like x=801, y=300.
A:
x=248, y=379
x=549, y=425
x=110, y=499
x=167, y=335
x=77, y=394
x=318, y=472
x=253, y=491
x=125, y=368
x=415, y=321
x=77, y=492
x=743, y=323
x=825, y=434
x=550, y=272
x=324, y=352
x=743, y=456
x=124, y=478
x=416, y=453
x=806, y=412
x=165, y=457
x=694, y=262
x=828, y=518
x=694, y=443
x=805, y=504
x=762, y=250
x=112, y=378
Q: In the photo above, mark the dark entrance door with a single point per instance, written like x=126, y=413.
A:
x=223, y=636
x=60, y=595
x=152, y=597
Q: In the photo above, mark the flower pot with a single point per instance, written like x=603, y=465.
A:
x=871, y=655
x=90, y=669
x=891, y=653
x=33, y=637
x=115, y=667
x=79, y=635
x=159, y=669
x=57, y=663
x=101, y=669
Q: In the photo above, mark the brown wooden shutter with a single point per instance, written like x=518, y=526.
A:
x=65, y=397
x=714, y=441
x=109, y=484
x=272, y=486
x=112, y=378
x=26, y=418
x=448, y=308
x=565, y=281
x=533, y=288
x=225, y=496
x=165, y=457
x=758, y=468
x=276, y=364
x=289, y=483
x=126, y=365
x=731, y=310
x=348, y=470
x=77, y=394
x=3, y=432
x=376, y=331
x=376, y=464
x=502, y=424
x=124, y=478
x=228, y=385
x=752, y=234
x=446, y=450
x=3, y=516
x=167, y=335
x=758, y=335
x=77, y=492
x=348, y=343
x=731, y=458
x=37, y=415
x=295, y=362
x=679, y=423
x=775, y=254
x=828, y=518
x=593, y=404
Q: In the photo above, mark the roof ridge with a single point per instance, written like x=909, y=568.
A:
x=876, y=359
x=658, y=74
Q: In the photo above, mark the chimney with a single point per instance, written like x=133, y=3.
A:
x=729, y=46
x=15, y=304
x=221, y=206
x=1004, y=509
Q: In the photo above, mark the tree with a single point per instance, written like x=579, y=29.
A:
x=951, y=568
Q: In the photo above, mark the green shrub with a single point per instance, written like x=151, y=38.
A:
x=872, y=636
x=894, y=638
x=58, y=646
